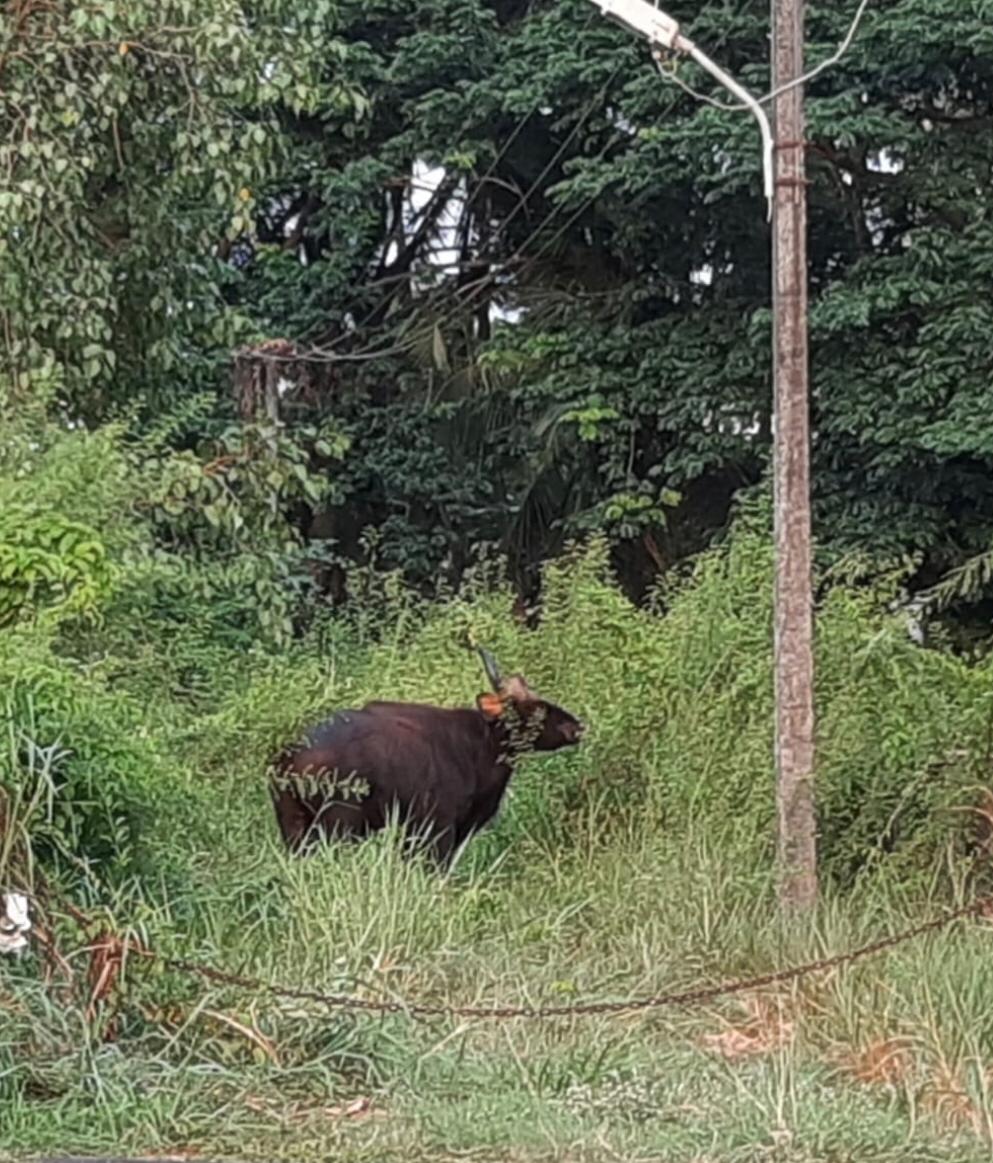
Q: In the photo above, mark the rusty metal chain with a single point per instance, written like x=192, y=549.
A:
x=690, y=997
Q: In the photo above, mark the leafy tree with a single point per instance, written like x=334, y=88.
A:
x=134, y=138
x=619, y=219
x=567, y=326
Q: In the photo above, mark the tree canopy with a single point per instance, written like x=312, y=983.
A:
x=519, y=281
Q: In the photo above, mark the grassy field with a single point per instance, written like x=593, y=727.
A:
x=637, y=865
x=887, y=1060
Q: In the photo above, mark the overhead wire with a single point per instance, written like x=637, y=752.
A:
x=490, y=277
x=326, y=353
x=488, y=281
x=720, y=41
x=617, y=139
x=670, y=74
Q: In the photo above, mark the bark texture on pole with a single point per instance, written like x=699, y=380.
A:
x=797, y=845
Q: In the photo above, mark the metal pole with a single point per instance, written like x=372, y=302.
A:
x=749, y=102
x=797, y=843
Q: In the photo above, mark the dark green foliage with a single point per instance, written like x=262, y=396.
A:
x=633, y=394
x=622, y=219
x=148, y=714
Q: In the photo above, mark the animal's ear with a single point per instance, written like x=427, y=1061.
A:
x=517, y=689
x=491, y=705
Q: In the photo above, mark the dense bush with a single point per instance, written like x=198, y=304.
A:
x=137, y=726
x=152, y=710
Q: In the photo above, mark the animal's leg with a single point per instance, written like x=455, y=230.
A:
x=294, y=820
x=442, y=845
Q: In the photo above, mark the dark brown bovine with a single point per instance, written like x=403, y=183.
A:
x=443, y=771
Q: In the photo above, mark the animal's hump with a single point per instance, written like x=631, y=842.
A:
x=339, y=727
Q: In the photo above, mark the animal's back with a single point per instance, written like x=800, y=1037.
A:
x=356, y=743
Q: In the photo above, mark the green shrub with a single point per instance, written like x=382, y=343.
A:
x=133, y=758
x=163, y=707
x=679, y=706
x=110, y=808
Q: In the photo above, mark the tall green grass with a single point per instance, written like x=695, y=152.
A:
x=640, y=863
x=238, y=1076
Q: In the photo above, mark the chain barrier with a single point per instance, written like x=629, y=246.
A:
x=691, y=997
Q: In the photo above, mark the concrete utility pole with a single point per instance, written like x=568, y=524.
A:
x=797, y=833
x=785, y=187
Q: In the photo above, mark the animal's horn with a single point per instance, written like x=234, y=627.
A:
x=492, y=670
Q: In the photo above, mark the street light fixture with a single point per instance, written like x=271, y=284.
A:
x=661, y=29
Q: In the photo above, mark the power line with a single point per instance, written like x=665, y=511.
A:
x=467, y=204
x=587, y=202
x=670, y=74
x=490, y=277
x=325, y=353
x=518, y=253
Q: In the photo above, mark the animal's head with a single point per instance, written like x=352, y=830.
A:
x=14, y=922
x=534, y=723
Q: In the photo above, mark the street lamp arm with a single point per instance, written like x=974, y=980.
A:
x=661, y=30
x=743, y=95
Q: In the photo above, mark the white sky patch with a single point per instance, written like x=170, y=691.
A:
x=880, y=161
x=619, y=121
x=506, y=314
x=443, y=249
x=443, y=255
x=733, y=424
x=884, y=161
